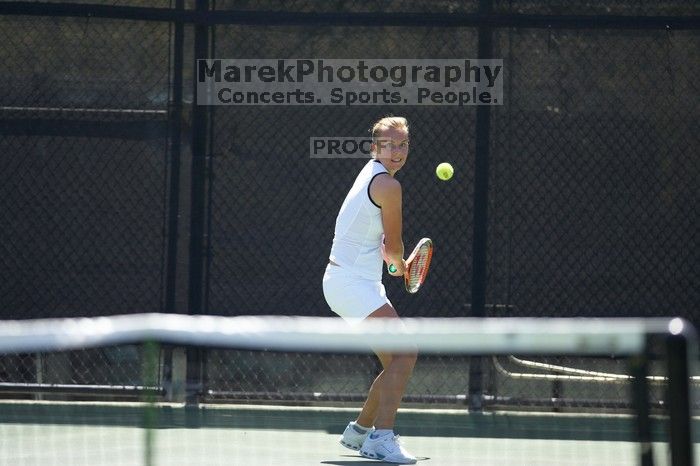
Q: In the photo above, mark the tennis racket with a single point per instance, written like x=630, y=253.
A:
x=417, y=265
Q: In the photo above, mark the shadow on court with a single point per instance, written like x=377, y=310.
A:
x=360, y=461
x=427, y=423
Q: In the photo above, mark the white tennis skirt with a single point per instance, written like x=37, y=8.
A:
x=351, y=297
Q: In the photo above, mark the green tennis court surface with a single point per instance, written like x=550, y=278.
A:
x=40, y=433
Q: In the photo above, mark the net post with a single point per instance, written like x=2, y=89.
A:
x=639, y=369
x=680, y=348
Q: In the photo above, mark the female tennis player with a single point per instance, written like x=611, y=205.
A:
x=352, y=284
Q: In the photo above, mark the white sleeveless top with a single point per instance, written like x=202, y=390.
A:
x=359, y=228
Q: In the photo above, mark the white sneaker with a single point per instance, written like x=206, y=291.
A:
x=353, y=438
x=386, y=448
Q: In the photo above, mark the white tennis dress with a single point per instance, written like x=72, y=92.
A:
x=353, y=288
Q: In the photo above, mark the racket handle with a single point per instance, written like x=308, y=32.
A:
x=392, y=268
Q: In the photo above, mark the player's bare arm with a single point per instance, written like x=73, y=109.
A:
x=386, y=192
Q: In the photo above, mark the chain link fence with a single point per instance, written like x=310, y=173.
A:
x=83, y=111
x=592, y=183
x=82, y=176
x=592, y=191
x=591, y=208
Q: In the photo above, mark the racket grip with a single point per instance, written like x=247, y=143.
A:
x=392, y=268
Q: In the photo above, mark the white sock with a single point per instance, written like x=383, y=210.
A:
x=381, y=433
x=358, y=428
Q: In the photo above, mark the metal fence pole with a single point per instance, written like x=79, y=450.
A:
x=480, y=240
x=200, y=115
x=170, y=374
x=175, y=147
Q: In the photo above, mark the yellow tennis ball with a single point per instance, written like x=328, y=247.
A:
x=444, y=171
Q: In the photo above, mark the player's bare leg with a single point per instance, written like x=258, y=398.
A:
x=369, y=410
x=388, y=388
x=384, y=399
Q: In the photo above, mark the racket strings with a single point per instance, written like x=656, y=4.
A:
x=419, y=267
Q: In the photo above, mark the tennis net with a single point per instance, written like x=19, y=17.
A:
x=42, y=422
